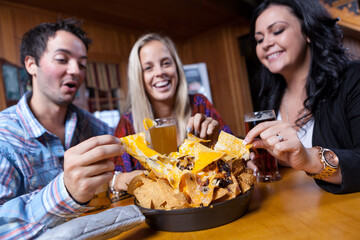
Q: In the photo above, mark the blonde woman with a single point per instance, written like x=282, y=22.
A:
x=157, y=89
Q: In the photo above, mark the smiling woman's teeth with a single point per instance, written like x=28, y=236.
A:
x=162, y=84
x=274, y=55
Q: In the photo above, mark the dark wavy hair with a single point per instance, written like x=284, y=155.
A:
x=34, y=42
x=328, y=59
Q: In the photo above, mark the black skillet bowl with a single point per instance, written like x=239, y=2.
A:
x=194, y=219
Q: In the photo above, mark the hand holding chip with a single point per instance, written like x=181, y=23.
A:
x=289, y=151
x=204, y=127
x=87, y=166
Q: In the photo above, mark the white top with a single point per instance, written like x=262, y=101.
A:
x=305, y=134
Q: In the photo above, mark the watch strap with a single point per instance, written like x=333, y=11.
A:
x=327, y=170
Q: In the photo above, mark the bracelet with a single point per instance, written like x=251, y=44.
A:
x=116, y=196
x=112, y=186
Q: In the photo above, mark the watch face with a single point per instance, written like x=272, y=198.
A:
x=331, y=158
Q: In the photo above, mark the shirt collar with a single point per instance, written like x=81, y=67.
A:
x=34, y=128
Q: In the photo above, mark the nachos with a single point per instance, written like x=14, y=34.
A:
x=194, y=176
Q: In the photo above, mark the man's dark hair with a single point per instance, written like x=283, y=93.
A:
x=34, y=42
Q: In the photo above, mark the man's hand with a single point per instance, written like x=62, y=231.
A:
x=87, y=166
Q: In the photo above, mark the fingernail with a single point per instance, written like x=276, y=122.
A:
x=188, y=130
x=245, y=141
x=196, y=132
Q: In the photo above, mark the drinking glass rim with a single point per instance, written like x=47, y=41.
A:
x=165, y=118
x=248, y=118
x=166, y=121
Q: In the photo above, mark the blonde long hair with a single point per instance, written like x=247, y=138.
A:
x=137, y=100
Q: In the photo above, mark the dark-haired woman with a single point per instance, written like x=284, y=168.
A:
x=315, y=90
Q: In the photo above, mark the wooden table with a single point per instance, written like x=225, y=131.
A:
x=292, y=208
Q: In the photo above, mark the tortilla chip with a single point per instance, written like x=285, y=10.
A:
x=168, y=199
x=237, y=167
x=152, y=176
x=199, y=188
x=244, y=186
x=233, y=188
x=249, y=178
x=194, y=138
x=219, y=193
x=160, y=195
x=136, y=145
x=144, y=194
x=177, y=155
x=246, y=180
x=136, y=182
x=204, y=156
x=232, y=145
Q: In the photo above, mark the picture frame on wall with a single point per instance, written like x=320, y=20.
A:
x=14, y=81
x=11, y=81
x=198, y=79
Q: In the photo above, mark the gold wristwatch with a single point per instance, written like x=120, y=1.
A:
x=330, y=163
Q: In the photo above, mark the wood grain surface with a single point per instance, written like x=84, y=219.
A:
x=292, y=208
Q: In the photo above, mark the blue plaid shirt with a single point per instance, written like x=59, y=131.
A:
x=33, y=197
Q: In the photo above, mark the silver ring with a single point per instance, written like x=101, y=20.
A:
x=280, y=137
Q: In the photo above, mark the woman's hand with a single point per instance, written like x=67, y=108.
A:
x=122, y=180
x=204, y=127
x=281, y=141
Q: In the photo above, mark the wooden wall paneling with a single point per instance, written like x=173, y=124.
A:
x=219, y=49
x=2, y=31
x=7, y=49
x=112, y=45
x=7, y=34
x=126, y=42
x=208, y=48
x=99, y=39
x=16, y=20
x=348, y=19
x=109, y=41
x=238, y=80
x=2, y=92
x=353, y=46
x=23, y=22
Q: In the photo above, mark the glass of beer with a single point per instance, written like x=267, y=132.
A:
x=266, y=163
x=163, y=135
